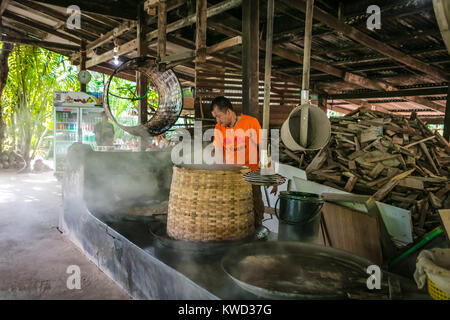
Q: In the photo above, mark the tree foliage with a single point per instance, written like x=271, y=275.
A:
x=34, y=73
x=27, y=101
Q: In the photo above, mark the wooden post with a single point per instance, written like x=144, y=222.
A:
x=200, y=51
x=141, y=78
x=447, y=117
x=83, y=63
x=4, y=70
x=322, y=102
x=267, y=82
x=162, y=27
x=250, y=57
x=200, y=33
x=307, y=50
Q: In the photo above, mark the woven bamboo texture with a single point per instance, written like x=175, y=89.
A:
x=210, y=205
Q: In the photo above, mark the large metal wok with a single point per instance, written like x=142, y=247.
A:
x=295, y=270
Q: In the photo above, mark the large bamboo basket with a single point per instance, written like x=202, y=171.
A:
x=210, y=203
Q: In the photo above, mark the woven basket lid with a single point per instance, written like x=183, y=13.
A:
x=215, y=167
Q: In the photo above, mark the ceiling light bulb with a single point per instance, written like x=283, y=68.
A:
x=116, y=60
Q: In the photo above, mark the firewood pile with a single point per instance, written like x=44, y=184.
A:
x=39, y=166
x=396, y=160
x=10, y=160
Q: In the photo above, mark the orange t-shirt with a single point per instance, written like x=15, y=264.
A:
x=240, y=143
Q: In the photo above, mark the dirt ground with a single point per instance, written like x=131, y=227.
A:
x=34, y=255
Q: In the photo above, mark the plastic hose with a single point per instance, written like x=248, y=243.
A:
x=420, y=244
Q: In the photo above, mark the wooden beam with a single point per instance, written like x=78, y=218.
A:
x=171, y=5
x=61, y=17
x=40, y=26
x=3, y=6
x=38, y=43
x=189, y=55
x=178, y=40
x=250, y=58
x=224, y=44
x=162, y=26
x=123, y=49
x=211, y=11
x=87, y=32
x=223, y=29
x=340, y=109
x=120, y=9
x=108, y=70
x=200, y=32
x=382, y=85
x=432, y=120
x=132, y=45
x=150, y=7
x=390, y=94
x=447, y=117
x=279, y=50
x=107, y=22
x=109, y=36
x=347, y=76
x=11, y=31
x=369, y=42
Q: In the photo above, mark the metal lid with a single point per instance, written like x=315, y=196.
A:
x=304, y=196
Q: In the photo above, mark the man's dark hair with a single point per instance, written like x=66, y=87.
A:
x=222, y=103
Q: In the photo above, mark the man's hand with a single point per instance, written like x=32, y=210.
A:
x=274, y=190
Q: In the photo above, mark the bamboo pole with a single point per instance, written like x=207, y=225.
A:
x=267, y=73
x=305, y=79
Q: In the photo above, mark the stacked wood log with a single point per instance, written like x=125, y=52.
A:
x=396, y=160
x=10, y=160
x=39, y=166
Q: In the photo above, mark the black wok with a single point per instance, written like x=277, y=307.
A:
x=296, y=270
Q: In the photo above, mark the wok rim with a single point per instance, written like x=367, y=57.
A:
x=236, y=254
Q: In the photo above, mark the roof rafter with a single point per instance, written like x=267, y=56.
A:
x=132, y=45
x=369, y=42
x=347, y=76
x=40, y=26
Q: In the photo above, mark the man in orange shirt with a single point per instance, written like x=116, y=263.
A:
x=239, y=137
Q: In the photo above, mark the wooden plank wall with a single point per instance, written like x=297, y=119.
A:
x=213, y=81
